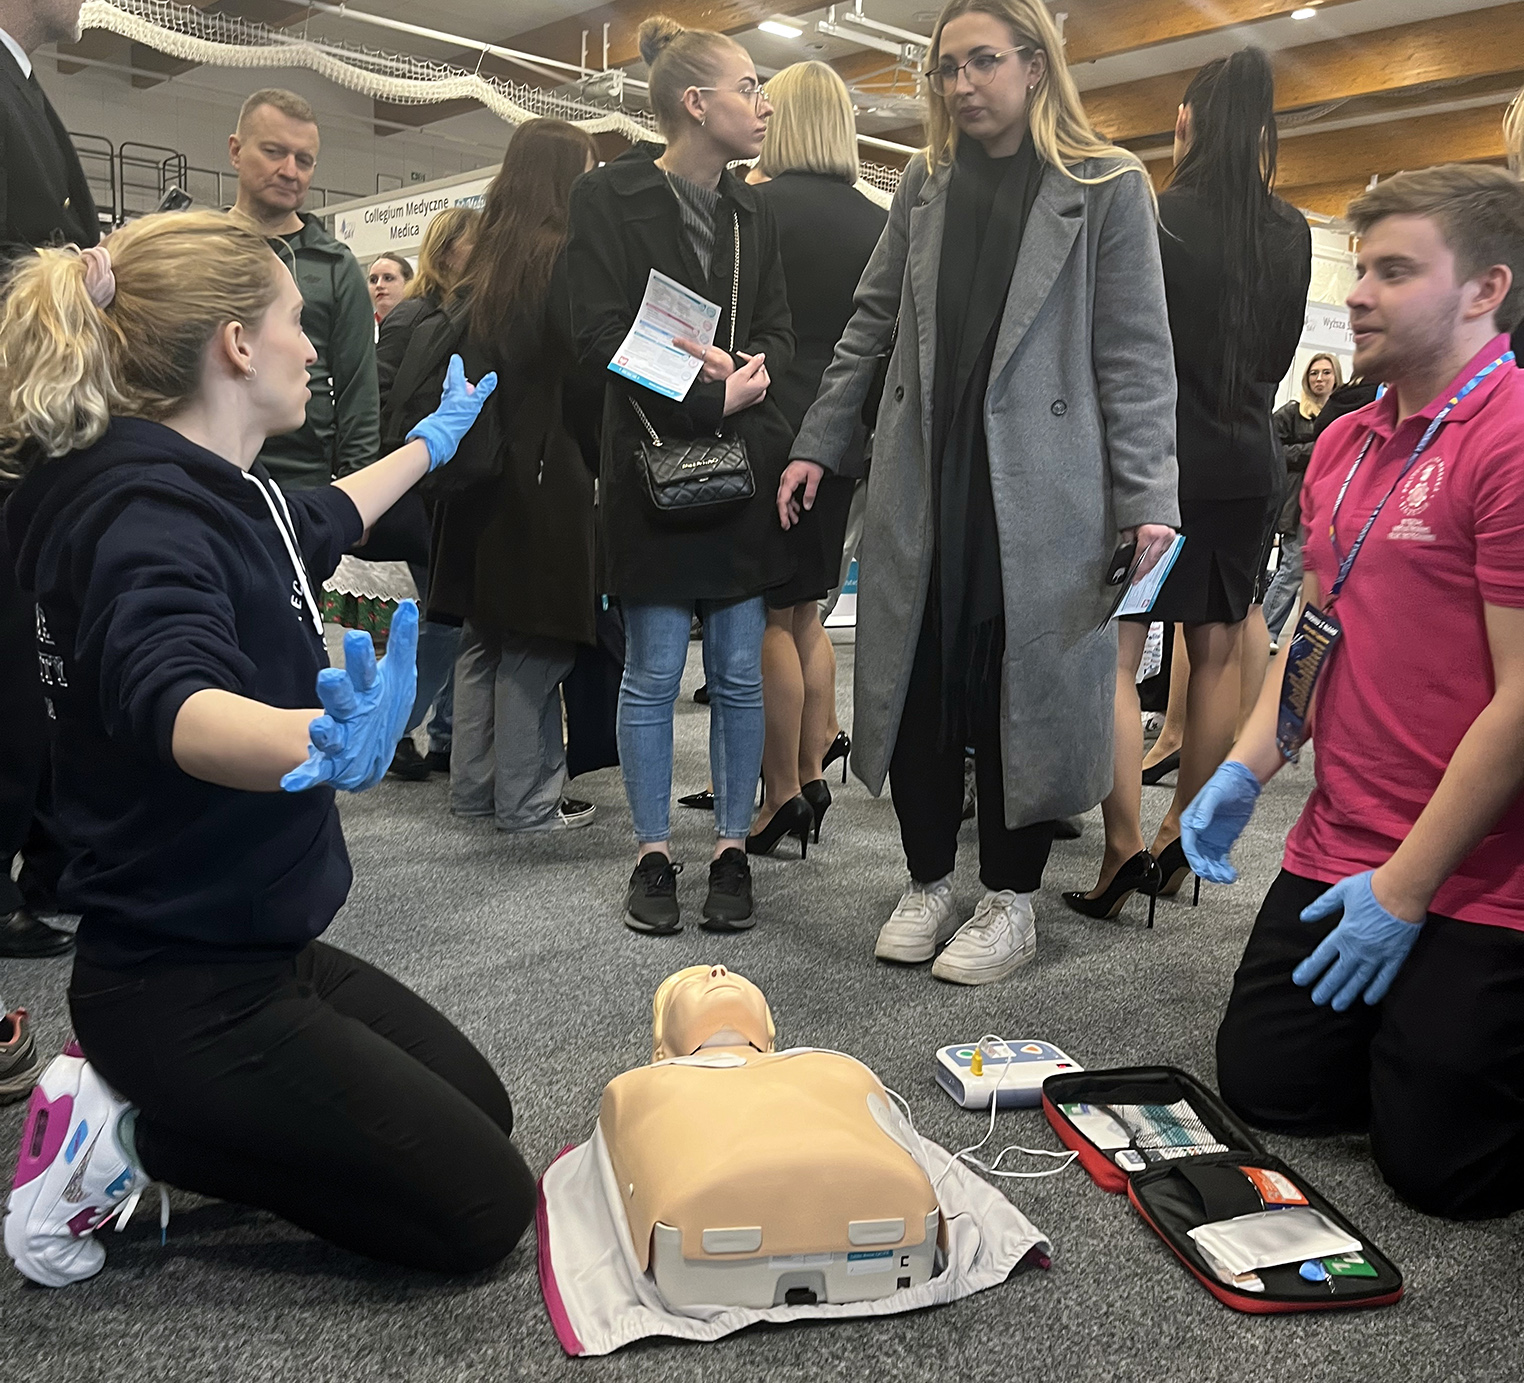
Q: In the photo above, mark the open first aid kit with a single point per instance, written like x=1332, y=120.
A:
x=1251, y=1229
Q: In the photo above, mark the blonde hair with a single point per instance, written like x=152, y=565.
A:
x=1513, y=134
x=1061, y=131
x=678, y=58
x=1309, y=405
x=66, y=365
x=813, y=125
x=435, y=278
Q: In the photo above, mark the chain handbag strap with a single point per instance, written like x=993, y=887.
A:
x=735, y=303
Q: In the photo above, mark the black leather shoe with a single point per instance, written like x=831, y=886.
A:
x=699, y=801
x=839, y=748
x=818, y=795
x=24, y=937
x=438, y=760
x=1155, y=774
x=1140, y=874
x=728, y=906
x=407, y=763
x=793, y=818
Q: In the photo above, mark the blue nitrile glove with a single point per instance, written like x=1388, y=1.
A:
x=367, y=706
x=1369, y=943
x=1216, y=818
x=458, y=406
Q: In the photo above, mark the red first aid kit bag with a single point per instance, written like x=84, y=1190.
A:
x=1187, y=1162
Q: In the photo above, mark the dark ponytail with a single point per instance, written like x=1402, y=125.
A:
x=1230, y=167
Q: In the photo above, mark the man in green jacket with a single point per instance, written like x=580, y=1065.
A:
x=274, y=152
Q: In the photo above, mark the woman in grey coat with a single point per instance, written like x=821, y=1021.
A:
x=1027, y=426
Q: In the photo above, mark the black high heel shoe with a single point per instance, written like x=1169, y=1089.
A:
x=818, y=795
x=1173, y=867
x=1154, y=773
x=793, y=818
x=1139, y=874
x=841, y=746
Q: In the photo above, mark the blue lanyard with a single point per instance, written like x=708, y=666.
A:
x=1347, y=562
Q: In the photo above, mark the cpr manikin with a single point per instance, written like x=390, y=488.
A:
x=751, y=1177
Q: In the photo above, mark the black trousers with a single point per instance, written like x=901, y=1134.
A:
x=318, y=1088
x=926, y=783
x=1435, y=1071
x=23, y=744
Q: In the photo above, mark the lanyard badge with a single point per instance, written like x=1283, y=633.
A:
x=1317, y=634
x=1318, y=631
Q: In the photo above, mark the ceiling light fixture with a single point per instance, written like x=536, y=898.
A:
x=779, y=29
x=1306, y=12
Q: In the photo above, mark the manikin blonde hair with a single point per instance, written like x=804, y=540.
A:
x=1061, y=131
x=66, y=365
x=813, y=126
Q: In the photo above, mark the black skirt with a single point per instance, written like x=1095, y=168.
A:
x=816, y=542
x=1217, y=575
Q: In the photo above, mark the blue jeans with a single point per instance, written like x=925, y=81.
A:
x=656, y=648
x=1285, y=586
x=437, y=647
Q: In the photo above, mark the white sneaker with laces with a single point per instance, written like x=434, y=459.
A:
x=922, y=920
x=998, y=939
x=72, y=1174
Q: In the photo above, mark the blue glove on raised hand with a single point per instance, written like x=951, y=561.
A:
x=458, y=408
x=1216, y=818
x=367, y=706
x=1367, y=947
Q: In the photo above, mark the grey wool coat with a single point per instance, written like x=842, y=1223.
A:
x=1080, y=422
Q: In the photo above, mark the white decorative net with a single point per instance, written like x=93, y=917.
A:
x=223, y=40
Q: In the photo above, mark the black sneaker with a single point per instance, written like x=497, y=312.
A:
x=575, y=813
x=652, y=902
x=728, y=906
x=438, y=760
x=19, y=1063
x=408, y=763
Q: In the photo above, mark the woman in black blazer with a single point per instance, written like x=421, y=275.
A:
x=1237, y=263
x=826, y=229
x=680, y=212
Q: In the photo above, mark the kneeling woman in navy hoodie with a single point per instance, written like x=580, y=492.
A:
x=221, y=1047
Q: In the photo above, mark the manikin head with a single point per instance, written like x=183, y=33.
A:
x=707, y=1006
x=1441, y=271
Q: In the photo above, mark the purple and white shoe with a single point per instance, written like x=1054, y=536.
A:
x=72, y=1175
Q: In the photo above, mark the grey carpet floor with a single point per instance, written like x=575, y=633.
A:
x=520, y=942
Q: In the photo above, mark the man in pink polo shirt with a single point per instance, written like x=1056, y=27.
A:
x=1383, y=984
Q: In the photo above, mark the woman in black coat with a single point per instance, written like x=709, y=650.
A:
x=513, y=551
x=680, y=212
x=1296, y=428
x=827, y=230
x=1237, y=263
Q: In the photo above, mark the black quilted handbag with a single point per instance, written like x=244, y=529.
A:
x=695, y=480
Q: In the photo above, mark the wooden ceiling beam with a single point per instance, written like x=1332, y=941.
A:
x=1477, y=43
x=1382, y=149
x=563, y=38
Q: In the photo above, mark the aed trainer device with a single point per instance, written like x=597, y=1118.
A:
x=1014, y=1071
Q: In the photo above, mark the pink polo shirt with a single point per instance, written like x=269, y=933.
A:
x=1413, y=669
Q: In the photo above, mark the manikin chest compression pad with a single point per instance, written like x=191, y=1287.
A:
x=600, y=1299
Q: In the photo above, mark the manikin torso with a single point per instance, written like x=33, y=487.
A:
x=724, y=1132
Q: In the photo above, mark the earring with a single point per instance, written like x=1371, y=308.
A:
x=703, y=121
x=250, y=373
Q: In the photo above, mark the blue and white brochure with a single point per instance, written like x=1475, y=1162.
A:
x=648, y=354
x=1141, y=595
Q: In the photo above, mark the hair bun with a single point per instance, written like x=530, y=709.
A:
x=655, y=34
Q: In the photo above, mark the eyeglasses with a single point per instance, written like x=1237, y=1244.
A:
x=981, y=70
x=753, y=93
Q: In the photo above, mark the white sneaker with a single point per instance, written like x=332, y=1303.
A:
x=71, y=1175
x=922, y=920
x=998, y=939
